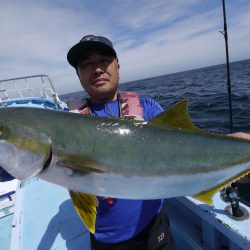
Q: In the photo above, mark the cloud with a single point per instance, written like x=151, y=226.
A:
x=149, y=14
x=188, y=43
x=151, y=37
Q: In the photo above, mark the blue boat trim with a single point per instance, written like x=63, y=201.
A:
x=196, y=225
x=7, y=195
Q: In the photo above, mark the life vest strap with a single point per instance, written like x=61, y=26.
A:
x=130, y=106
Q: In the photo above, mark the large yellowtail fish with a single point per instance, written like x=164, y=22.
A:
x=165, y=157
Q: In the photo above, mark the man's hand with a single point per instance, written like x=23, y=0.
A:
x=240, y=135
x=245, y=179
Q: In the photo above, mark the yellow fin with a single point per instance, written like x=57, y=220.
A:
x=207, y=196
x=85, y=205
x=175, y=117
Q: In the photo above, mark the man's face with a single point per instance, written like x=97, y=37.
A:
x=99, y=75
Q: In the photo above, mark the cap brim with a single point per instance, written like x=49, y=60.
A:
x=77, y=51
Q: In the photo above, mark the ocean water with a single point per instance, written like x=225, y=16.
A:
x=206, y=89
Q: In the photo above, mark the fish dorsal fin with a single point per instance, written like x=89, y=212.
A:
x=175, y=117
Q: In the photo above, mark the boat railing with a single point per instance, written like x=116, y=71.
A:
x=28, y=87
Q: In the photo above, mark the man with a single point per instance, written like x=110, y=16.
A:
x=114, y=223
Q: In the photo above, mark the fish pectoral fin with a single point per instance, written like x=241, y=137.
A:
x=207, y=196
x=81, y=166
x=175, y=117
x=85, y=205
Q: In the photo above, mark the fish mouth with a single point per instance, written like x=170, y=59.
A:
x=48, y=161
x=24, y=152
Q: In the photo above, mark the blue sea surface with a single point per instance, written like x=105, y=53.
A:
x=206, y=89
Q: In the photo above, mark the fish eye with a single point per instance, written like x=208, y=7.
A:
x=3, y=131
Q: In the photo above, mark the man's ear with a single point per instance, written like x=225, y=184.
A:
x=77, y=72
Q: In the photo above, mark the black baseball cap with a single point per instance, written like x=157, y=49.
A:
x=86, y=43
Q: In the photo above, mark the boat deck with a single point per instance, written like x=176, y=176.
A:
x=46, y=219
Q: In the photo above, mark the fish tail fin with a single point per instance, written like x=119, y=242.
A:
x=207, y=196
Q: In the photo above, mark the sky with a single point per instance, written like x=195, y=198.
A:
x=151, y=38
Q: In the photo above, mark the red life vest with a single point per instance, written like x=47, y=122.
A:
x=129, y=106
